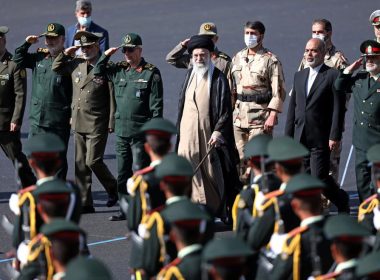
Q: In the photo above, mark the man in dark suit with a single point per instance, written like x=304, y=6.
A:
x=315, y=117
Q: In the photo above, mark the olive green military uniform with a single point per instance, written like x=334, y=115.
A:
x=366, y=122
x=259, y=84
x=82, y=268
x=139, y=98
x=93, y=109
x=51, y=93
x=368, y=266
x=12, y=105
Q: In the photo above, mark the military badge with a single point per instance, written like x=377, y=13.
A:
x=50, y=27
x=83, y=39
x=127, y=39
x=2, y=83
x=22, y=73
x=156, y=78
x=369, y=50
x=207, y=27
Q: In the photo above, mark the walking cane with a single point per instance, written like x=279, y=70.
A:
x=203, y=159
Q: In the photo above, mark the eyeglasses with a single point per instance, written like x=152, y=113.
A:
x=128, y=49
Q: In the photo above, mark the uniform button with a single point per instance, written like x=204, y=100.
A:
x=88, y=91
x=79, y=100
x=79, y=108
x=371, y=103
x=362, y=113
x=363, y=101
x=360, y=123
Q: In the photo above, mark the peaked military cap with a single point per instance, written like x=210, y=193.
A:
x=44, y=143
x=200, y=42
x=257, y=146
x=374, y=18
x=208, y=28
x=160, y=127
x=344, y=227
x=3, y=30
x=87, y=38
x=82, y=268
x=225, y=248
x=54, y=30
x=373, y=154
x=368, y=265
x=55, y=186
x=185, y=213
x=285, y=149
x=370, y=48
x=60, y=225
x=131, y=40
x=173, y=165
x=304, y=185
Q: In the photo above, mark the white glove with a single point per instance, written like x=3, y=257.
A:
x=130, y=184
x=23, y=253
x=142, y=230
x=13, y=204
x=277, y=243
x=376, y=218
x=260, y=198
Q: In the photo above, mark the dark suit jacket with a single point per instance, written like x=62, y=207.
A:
x=319, y=116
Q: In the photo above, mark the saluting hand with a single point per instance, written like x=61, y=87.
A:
x=184, y=42
x=354, y=66
x=71, y=51
x=110, y=51
x=32, y=39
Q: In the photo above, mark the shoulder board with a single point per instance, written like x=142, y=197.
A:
x=273, y=194
x=224, y=55
x=271, y=55
x=123, y=64
x=43, y=50
x=144, y=170
x=297, y=230
x=27, y=189
x=369, y=199
x=149, y=66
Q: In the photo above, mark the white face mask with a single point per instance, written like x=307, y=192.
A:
x=250, y=40
x=319, y=36
x=84, y=21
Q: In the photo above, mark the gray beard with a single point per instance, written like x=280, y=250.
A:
x=200, y=71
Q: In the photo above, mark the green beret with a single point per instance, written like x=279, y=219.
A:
x=184, y=211
x=344, y=226
x=303, y=184
x=87, y=38
x=370, y=48
x=52, y=187
x=257, y=146
x=286, y=148
x=3, y=30
x=159, y=126
x=131, y=40
x=82, y=268
x=60, y=225
x=368, y=265
x=54, y=30
x=44, y=143
x=227, y=247
x=173, y=165
x=373, y=154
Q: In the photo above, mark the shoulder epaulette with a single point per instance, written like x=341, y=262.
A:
x=27, y=189
x=123, y=64
x=43, y=50
x=149, y=66
x=297, y=230
x=224, y=55
x=145, y=170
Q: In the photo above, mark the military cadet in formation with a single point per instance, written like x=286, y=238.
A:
x=92, y=116
x=374, y=20
x=368, y=267
x=82, y=268
x=258, y=87
x=180, y=59
x=366, y=125
x=139, y=98
x=347, y=238
x=225, y=259
x=12, y=104
x=306, y=249
x=51, y=92
x=187, y=222
x=263, y=181
x=143, y=187
x=174, y=173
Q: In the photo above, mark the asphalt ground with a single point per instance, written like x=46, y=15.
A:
x=162, y=24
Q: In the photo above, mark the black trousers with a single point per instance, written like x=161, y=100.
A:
x=363, y=175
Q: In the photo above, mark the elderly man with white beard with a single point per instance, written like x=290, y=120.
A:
x=205, y=123
x=365, y=87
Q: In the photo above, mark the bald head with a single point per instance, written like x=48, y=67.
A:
x=315, y=52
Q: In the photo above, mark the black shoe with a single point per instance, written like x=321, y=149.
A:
x=118, y=217
x=112, y=200
x=88, y=209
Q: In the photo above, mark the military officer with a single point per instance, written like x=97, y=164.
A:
x=93, y=109
x=51, y=92
x=258, y=87
x=139, y=98
x=143, y=188
x=368, y=267
x=12, y=105
x=178, y=58
x=306, y=251
x=347, y=246
x=374, y=19
x=82, y=268
x=187, y=225
x=366, y=126
x=225, y=259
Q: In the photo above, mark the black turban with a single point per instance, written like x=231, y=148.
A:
x=200, y=42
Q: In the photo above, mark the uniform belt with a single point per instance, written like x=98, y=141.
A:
x=260, y=98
